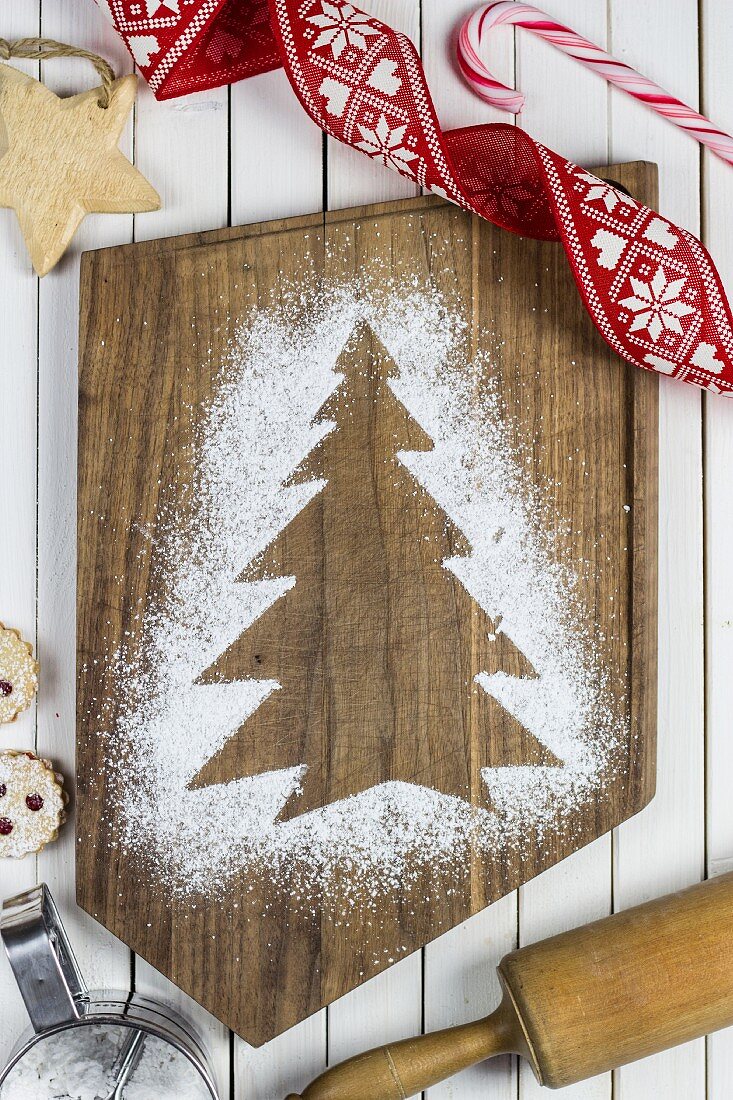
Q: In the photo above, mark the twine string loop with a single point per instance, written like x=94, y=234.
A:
x=43, y=49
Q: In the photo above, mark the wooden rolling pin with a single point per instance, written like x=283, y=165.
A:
x=578, y=1004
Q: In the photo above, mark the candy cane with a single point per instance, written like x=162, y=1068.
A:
x=615, y=72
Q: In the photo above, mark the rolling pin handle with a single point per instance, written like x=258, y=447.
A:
x=401, y=1070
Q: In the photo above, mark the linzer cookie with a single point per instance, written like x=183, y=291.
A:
x=32, y=803
x=18, y=674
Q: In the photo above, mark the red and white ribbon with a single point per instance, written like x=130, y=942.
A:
x=649, y=286
x=502, y=12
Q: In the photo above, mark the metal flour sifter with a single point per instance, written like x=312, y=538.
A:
x=86, y=1045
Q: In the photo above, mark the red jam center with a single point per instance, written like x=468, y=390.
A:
x=5, y=687
x=34, y=802
x=6, y=826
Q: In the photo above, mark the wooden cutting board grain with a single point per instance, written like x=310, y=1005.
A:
x=376, y=646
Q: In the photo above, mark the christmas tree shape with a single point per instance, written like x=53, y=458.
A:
x=376, y=644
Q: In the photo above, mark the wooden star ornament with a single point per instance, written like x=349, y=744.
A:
x=59, y=161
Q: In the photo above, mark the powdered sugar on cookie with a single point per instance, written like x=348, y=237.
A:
x=32, y=804
x=18, y=674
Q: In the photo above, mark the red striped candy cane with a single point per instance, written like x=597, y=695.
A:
x=615, y=72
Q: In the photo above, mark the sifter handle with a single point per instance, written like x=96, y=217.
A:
x=403, y=1069
x=42, y=959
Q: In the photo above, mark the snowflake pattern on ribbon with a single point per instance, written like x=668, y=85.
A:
x=650, y=287
x=657, y=306
x=341, y=26
x=385, y=144
x=183, y=46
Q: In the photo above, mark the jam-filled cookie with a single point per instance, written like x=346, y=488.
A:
x=32, y=803
x=18, y=674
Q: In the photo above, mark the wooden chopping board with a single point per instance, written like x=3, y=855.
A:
x=366, y=592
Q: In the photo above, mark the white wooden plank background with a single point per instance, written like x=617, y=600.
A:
x=250, y=153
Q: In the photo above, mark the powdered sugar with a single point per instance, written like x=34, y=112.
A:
x=32, y=803
x=18, y=674
x=256, y=431
x=79, y=1064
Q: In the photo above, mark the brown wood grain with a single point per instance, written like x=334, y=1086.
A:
x=155, y=321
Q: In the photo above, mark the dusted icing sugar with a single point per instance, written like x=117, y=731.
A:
x=79, y=1064
x=255, y=432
